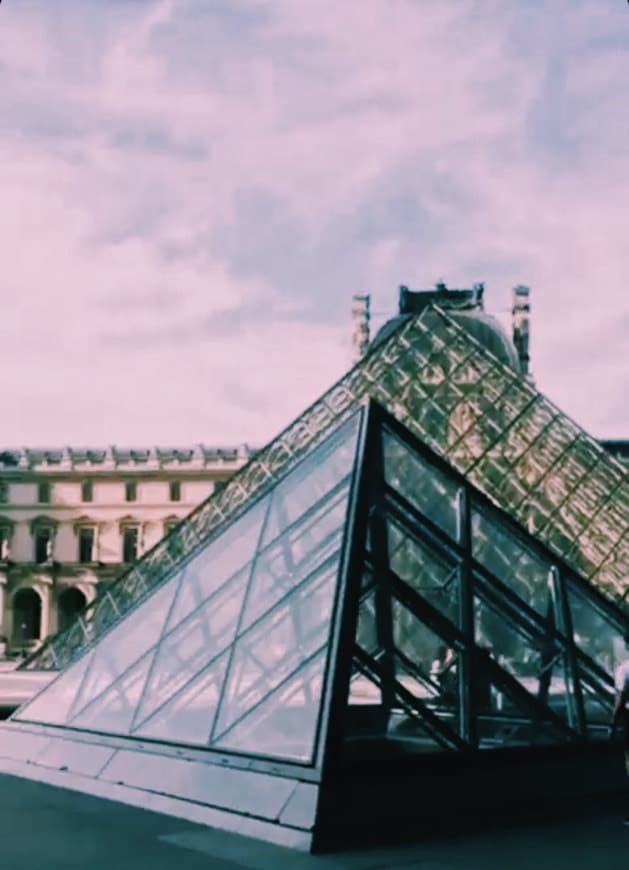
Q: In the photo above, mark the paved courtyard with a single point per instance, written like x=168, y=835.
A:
x=46, y=827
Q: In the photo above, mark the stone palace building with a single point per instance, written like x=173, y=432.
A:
x=72, y=519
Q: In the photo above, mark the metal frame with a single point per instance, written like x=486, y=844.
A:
x=475, y=581
x=397, y=374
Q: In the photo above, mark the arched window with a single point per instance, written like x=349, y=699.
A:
x=71, y=603
x=26, y=616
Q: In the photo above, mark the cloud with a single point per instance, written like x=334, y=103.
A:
x=191, y=192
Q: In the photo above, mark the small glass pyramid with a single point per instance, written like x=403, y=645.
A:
x=231, y=651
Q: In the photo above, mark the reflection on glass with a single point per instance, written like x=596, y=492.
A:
x=594, y=634
x=284, y=723
x=113, y=709
x=187, y=715
x=200, y=638
x=286, y=562
x=125, y=644
x=537, y=664
x=432, y=575
x=510, y=560
x=319, y=473
x=277, y=646
x=53, y=704
x=218, y=562
x=423, y=485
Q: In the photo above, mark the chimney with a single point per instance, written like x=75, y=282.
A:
x=521, y=326
x=360, y=325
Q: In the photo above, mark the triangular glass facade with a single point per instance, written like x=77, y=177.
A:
x=231, y=651
x=450, y=392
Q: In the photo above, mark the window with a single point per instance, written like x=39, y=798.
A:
x=43, y=544
x=71, y=603
x=86, y=544
x=4, y=491
x=5, y=542
x=130, y=490
x=43, y=492
x=26, y=616
x=130, y=543
x=87, y=491
x=175, y=490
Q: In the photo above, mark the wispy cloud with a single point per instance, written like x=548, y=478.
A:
x=192, y=191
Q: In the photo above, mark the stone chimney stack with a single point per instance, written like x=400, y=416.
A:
x=521, y=314
x=360, y=325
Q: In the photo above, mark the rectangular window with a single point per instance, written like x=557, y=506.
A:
x=43, y=492
x=175, y=490
x=5, y=542
x=87, y=491
x=130, y=490
x=129, y=544
x=43, y=544
x=4, y=492
x=86, y=544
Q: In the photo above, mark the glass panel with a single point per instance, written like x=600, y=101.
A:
x=285, y=723
x=510, y=560
x=297, y=553
x=598, y=710
x=196, y=641
x=320, y=472
x=502, y=722
x=187, y=716
x=393, y=691
x=54, y=702
x=126, y=643
x=593, y=632
x=537, y=664
x=427, y=667
x=277, y=646
x=420, y=483
x=113, y=710
x=434, y=576
x=218, y=561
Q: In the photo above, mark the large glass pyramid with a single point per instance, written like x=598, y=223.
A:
x=450, y=392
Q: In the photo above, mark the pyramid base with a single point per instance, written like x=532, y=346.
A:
x=271, y=808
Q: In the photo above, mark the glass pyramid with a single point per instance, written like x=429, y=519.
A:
x=372, y=606
x=449, y=391
x=231, y=651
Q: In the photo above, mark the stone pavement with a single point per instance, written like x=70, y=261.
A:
x=47, y=828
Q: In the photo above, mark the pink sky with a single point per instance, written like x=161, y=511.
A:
x=192, y=191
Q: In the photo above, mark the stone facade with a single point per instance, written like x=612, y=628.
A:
x=73, y=519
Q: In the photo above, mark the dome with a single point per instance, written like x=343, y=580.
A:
x=482, y=326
